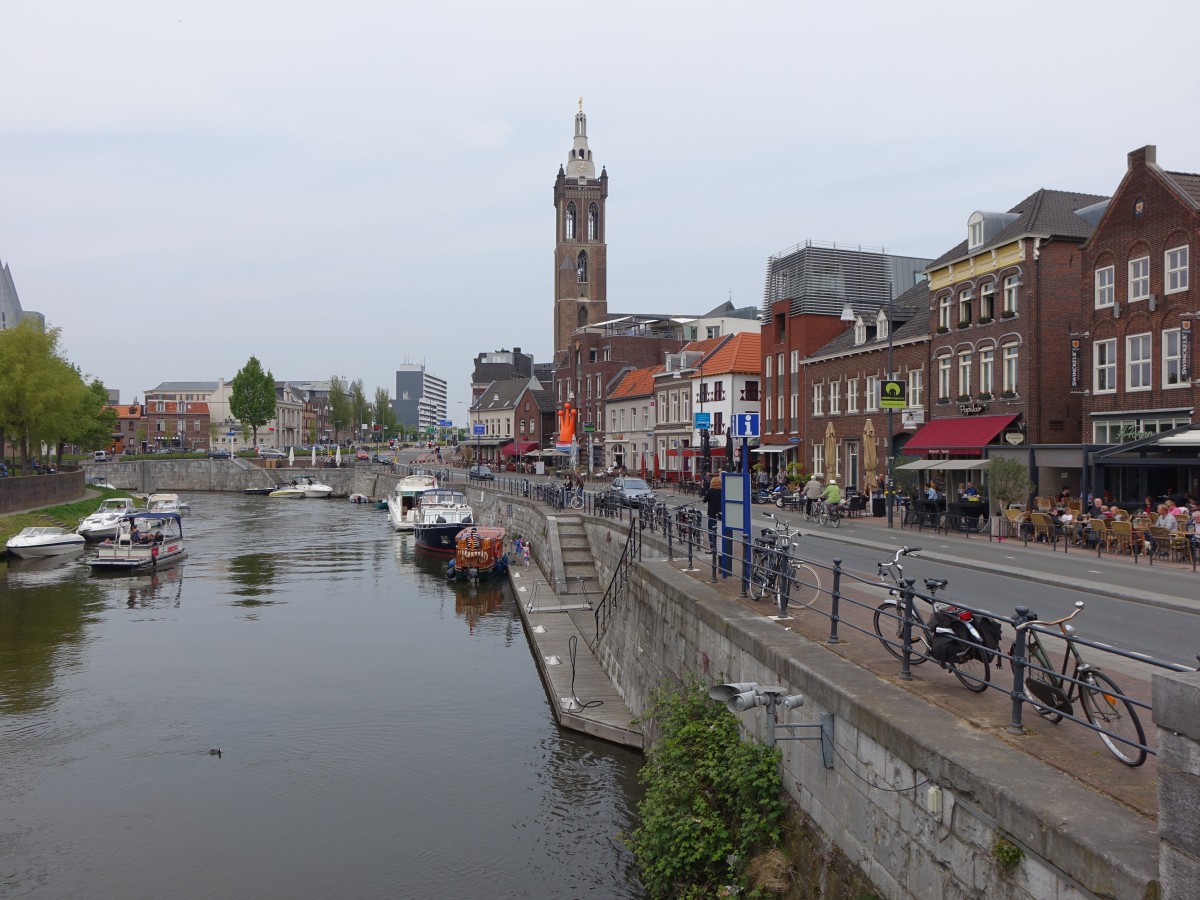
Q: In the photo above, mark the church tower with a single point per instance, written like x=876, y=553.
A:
x=580, y=253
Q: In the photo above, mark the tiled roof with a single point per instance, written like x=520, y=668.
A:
x=741, y=354
x=910, y=318
x=706, y=346
x=636, y=383
x=544, y=399
x=1044, y=211
x=1188, y=183
x=195, y=387
x=500, y=395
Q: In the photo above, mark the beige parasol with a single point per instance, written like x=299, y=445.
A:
x=830, y=453
x=870, y=454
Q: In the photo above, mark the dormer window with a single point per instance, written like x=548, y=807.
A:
x=881, y=326
x=975, y=231
x=860, y=331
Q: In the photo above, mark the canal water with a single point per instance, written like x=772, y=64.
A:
x=382, y=733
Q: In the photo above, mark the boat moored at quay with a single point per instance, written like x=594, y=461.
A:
x=144, y=541
x=441, y=514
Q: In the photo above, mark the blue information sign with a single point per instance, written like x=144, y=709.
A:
x=745, y=425
x=702, y=420
x=478, y=429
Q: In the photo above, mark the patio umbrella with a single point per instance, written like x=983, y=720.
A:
x=830, y=453
x=314, y=456
x=870, y=452
x=291, y=457
x=337, y=455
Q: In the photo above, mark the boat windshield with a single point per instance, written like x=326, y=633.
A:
x=443, y=497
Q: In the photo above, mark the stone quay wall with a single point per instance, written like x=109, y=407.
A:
x=19, y=492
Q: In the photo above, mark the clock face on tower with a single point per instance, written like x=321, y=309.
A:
x=580, y=167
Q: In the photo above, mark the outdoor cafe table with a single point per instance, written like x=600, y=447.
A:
x=968, y=514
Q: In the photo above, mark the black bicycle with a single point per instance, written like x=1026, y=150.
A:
x=773, y=571
x=1114, y=716
x=971, y=663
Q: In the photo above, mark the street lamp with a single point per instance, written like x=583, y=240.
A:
x=891, y=479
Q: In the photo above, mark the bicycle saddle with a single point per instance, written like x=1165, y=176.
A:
x=935, y=584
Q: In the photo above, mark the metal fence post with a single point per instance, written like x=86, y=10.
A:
x=837, y=596
x=906, y=596
x=1018, y=667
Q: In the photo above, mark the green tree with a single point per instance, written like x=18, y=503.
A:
x=93, y=422
x=252, y=399
x=385, y=416
x=1008, y=481
x=360, y=408
x=339, y=406
x=39, y=390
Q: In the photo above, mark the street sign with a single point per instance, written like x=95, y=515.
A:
x=443, y=423
x=793, y=440
x=589, y=427
x=478, y=428
x=745, y=425
x=702, y=420
x=892, y=395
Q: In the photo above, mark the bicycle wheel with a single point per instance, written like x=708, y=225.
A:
x=759, y=578
x=889, y=626
x=823, y=517
x=577, y=501
x=1043, y=683
x=1106, y=708
x=835, y=517
x=805, y=585
x=974, y=672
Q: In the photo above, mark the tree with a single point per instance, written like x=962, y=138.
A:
x=385, y=416
x=252, y=399
x=39, y=390
x=359, y=406
x=1008, y=481
x=339, y=406
x=93, y=421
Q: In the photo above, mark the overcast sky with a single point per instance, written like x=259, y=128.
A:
x=337, y=188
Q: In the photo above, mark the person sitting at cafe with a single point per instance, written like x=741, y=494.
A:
x=931, y=491
x=1166, y=519
x=970, y=492
x=1064, y=496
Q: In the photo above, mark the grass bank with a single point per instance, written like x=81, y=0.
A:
x=65, y=515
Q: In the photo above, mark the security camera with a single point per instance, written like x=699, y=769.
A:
x=747, y=700
x=794, y=701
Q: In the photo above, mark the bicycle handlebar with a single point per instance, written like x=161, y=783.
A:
x=1028, y=622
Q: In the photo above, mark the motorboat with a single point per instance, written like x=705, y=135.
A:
x=99, y=481
x=440, y=515
x=103, y=522
x=302, y=487
x=166, y=503
x=43, y=540
x=402, y=501
x=479, y=552
x=145, y=540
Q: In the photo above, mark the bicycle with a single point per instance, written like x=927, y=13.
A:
x=575, y=498
x=829, y=514
x=973, y=670
x=1104, y=705
x=774, y=571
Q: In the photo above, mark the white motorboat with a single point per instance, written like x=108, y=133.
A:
x=166, y=503
x=145, y=540
x=440, y=516
x=402, y=501
x=46, y=540
x=301, y=487
x=103, y=522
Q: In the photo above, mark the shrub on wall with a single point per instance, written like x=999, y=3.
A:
x=712, y=800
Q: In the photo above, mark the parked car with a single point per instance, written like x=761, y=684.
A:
x=383, y=458
x=363, y=455
x=100, y=456
x=631, y=490
x=218, y=453
x=480, y=473
x=271, y=453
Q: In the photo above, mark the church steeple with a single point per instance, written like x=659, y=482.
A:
x=581, y=254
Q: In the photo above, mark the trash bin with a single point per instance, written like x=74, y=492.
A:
x=878, y=504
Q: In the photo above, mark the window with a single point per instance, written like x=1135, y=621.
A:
x=1012, y=285
x=944, y=312
x=1009, y=375
x=872, y=393
x=987, y=302
x=1172, y=362
x=1139, y=278
x=569, y=223
x=718, y=423
x=964, y=374
x=1105, y=280
x=974, y=231
x=881, y=326
x=581, y=263
x=1176, y=270
x=860, y=331
x=916, y=388
x=851, y=395
x=593, y=222
x=718, y=390
x=964, y=306
x=835, y=398
x=795, y=412
x=987, y=358
x=818, y=399
x=944, y=377
x=712, y=331
x=767, y=367
x=1137, y=362
x=780, y=424
x=818, y=457
x=674, y=407
x=750, y=392
x=1104, y=378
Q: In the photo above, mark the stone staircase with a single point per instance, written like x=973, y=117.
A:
x=582, y=584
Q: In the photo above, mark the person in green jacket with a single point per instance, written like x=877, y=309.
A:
x=832, y=493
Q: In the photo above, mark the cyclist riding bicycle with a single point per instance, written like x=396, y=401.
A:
x=812, y=493
x=832, y=493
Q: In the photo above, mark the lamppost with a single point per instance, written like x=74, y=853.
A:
x=891, y=438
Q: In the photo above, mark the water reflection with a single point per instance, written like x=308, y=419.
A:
x=254, y=577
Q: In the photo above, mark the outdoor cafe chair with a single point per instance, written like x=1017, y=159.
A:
x=1043, y=527
x=1121, y=536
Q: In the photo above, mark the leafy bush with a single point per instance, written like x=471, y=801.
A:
x=711, y=799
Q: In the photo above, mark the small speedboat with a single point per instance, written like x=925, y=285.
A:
x=166, y=503
x=301, y=487
x=39, y=541
x=103, y=522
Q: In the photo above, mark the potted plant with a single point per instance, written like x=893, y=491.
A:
x=985, y=396
x=964, y=323
x=1008, y=395
x=942, y=329
x=1008, y=313
x=985, y=320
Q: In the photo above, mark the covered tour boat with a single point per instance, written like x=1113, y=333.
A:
x=145, y=541
x=478, y=553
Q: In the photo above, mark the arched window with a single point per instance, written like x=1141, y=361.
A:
x=581, y=267
x=593, y=222
x=569, y=223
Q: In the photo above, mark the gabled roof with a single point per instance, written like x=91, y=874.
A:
x=741, y=354
x=910, y=319
x=195, y=387
x=1044, y=212
x=636, y=383
x=501, y=395
x=543, y=398
x=1188, y=184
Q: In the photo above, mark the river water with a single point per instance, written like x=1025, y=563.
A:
x=383, y=733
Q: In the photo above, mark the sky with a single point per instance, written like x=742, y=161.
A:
x=341, y=188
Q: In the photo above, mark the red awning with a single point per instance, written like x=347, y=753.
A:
x=686, y=451
x=518, y=448
x=961, y=436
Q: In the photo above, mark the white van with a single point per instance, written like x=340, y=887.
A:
x=100, y=456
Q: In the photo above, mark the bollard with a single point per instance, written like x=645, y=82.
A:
x=906, y=594
x=837, y=597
